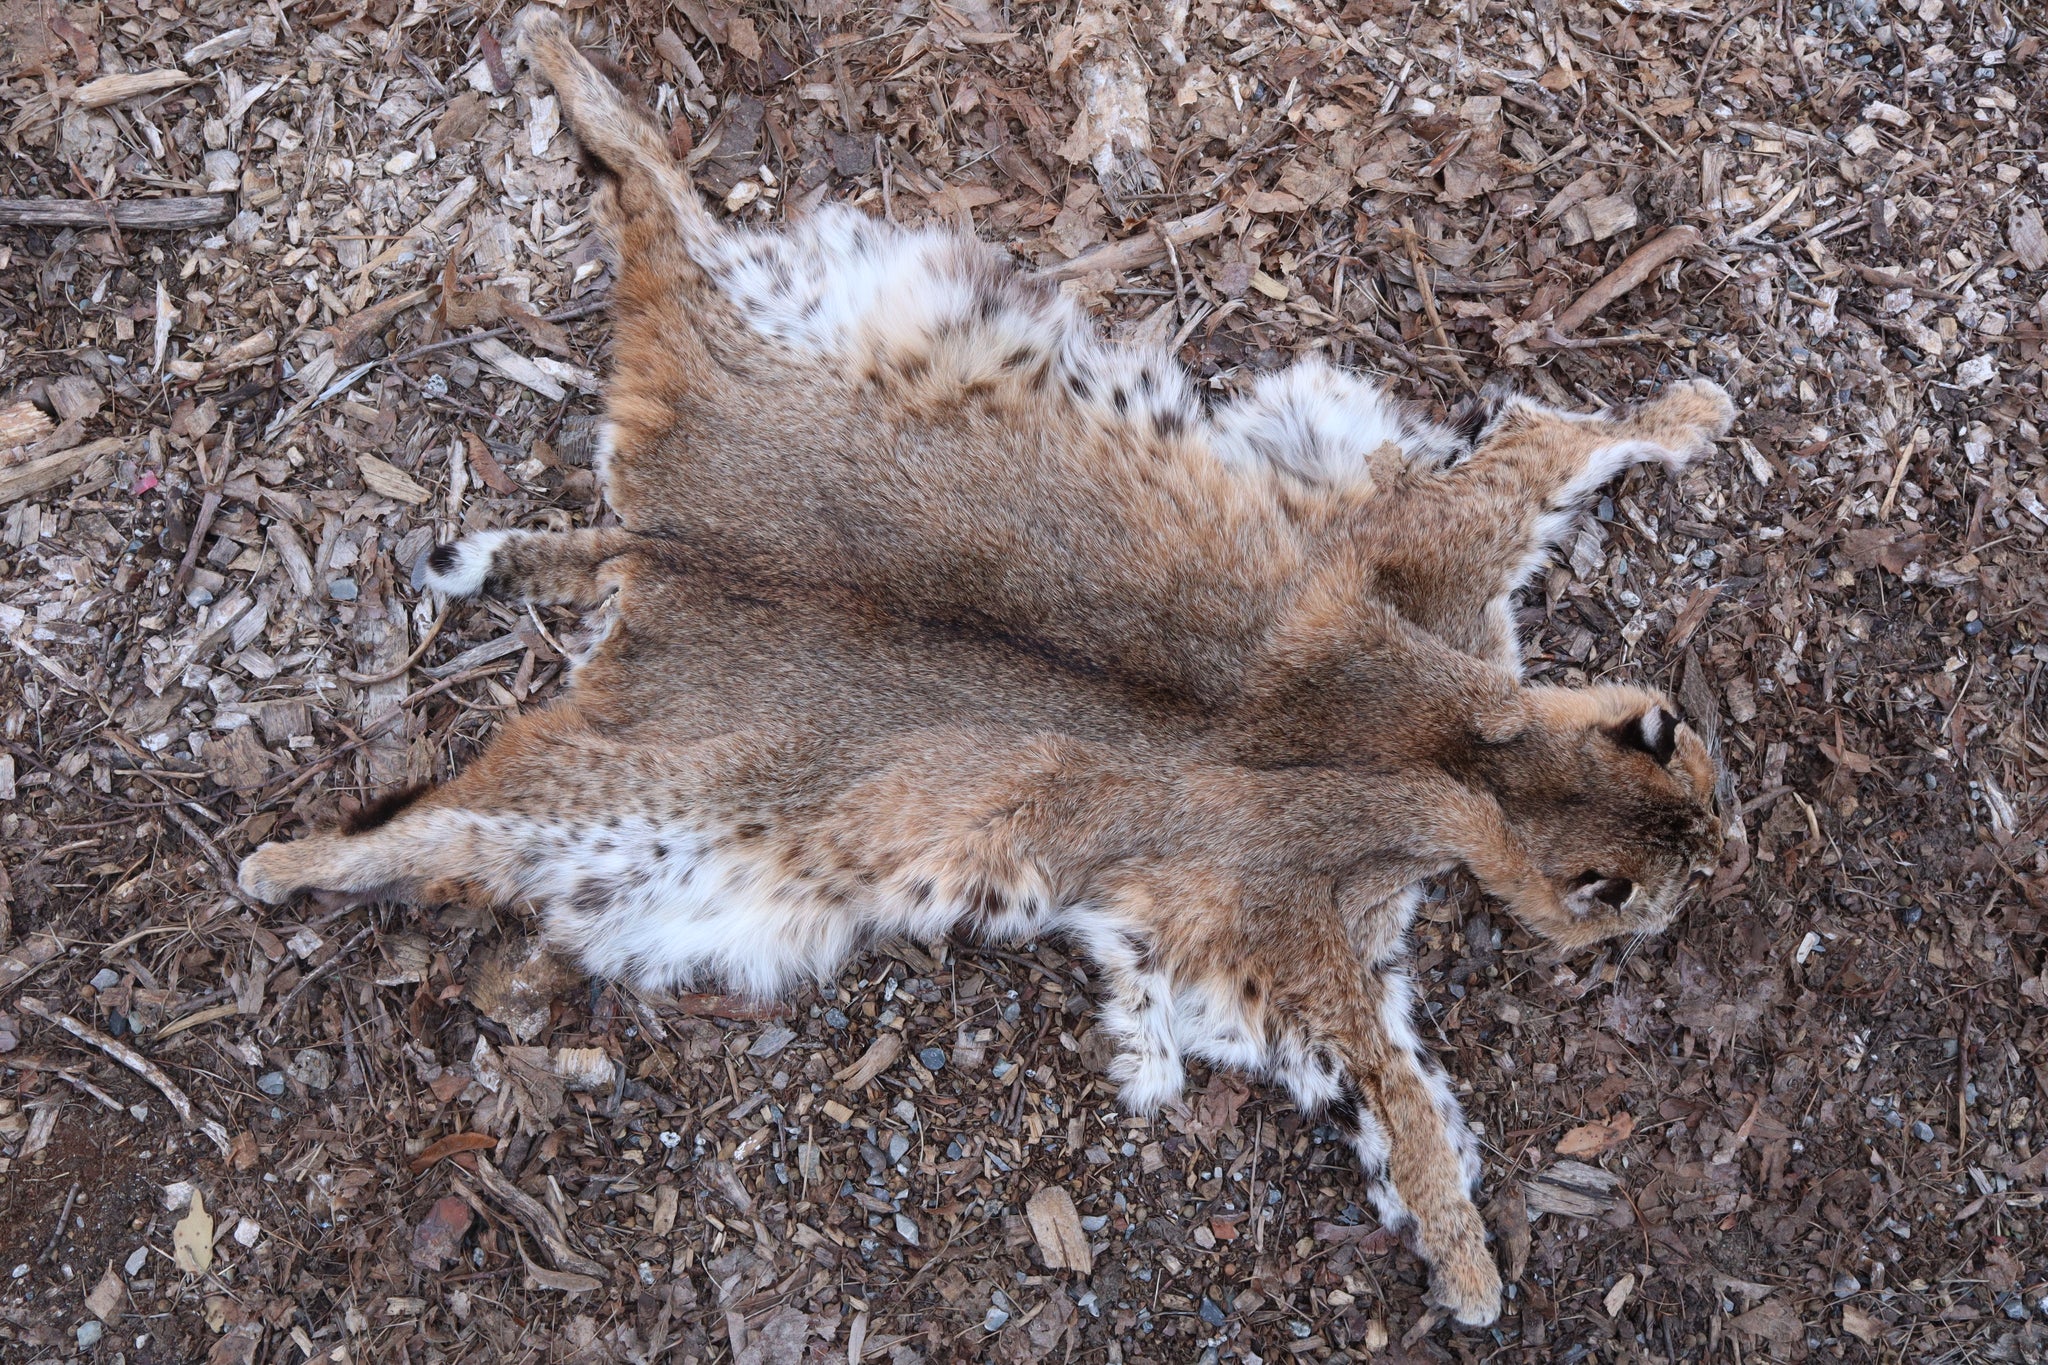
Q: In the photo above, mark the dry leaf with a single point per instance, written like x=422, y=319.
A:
x=104, y=1302
x=1618, y=1296
x=192, y=1238
x=1057, y=1226
x=741, y=37
x=1592, y=1139
x=390, y=481
x=2029, y=237
x=1860, y=1324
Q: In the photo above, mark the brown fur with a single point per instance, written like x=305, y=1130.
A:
x=937, y=627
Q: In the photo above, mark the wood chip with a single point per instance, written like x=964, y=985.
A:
x=886, y=1048
x=40, y=475
x=130, y=85
x=518, y=368
x=390, y=481
x=1057, y=1226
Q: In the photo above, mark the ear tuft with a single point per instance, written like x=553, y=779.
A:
x=1655, y=732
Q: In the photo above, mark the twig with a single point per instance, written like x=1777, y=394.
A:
x=291, y=997
x=208, y=505
x=537, y=1219
x=89, y=1088
x=57, y=1233
x=134, y=1061
x=1558, y=339
x=1139, y=249
x=216, y=857
x=1413, y=243
x=1639, y=265
x=370, y=679
x=581, y=310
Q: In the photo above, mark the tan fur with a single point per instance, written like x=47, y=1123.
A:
x=956, y=619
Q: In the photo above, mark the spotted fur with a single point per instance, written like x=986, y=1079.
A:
x=931, y=612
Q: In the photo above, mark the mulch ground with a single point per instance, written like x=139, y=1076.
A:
x=1806, y=1123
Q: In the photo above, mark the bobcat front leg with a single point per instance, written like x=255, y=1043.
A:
x=1350, y=1052
x=1450, y=546
x=532, y=566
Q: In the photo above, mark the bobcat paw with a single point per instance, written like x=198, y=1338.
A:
x=459, y=569
x=535, y=22
x=266, y=874
x=1468, y=1288
x=1694, y=414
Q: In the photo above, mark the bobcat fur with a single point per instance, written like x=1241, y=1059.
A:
x=926, y=610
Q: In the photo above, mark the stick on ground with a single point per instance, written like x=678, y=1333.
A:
x=135, y=1062
x=143, y=215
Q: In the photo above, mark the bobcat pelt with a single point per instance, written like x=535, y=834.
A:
x=930, y=611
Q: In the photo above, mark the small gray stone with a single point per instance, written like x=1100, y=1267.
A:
x=271, y=1083
x=343, y=590
x=89, y=1334
x=1212, y=1312
x=772, y=1040
x=934, y=1058
x=1922, y=1131
x=995, y=1320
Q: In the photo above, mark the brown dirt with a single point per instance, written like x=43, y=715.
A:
x=1806, y=1123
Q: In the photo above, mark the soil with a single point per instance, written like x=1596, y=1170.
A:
x=1806, y=1123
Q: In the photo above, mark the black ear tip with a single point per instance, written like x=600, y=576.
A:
x=1655, y=732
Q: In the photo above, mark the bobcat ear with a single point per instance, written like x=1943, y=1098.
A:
x=1655, y=732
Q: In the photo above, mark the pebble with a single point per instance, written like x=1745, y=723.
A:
x=835, y=1018
x=1922, y=1131
x=1212, y=1312
x=934, y=1058
x=89, y=1334
x=271, y=1083
x=995, y=1320
x=1846, y=1285
x=343, y=590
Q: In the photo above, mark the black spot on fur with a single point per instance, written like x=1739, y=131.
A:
x=749, y=831
x=591, y=898
x=916, y=367
x=441, y=559
x=1344, y=1110
x=1251, y=989
x=660, y=850
x=596, y=167
x=1017, y=359
x=920, y=893
x=1077, y=385
x=1119, y=400
x=381, y=810
x=985, y=902
x=1325, y=1060
x=1170, y=423
x=990, y=306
